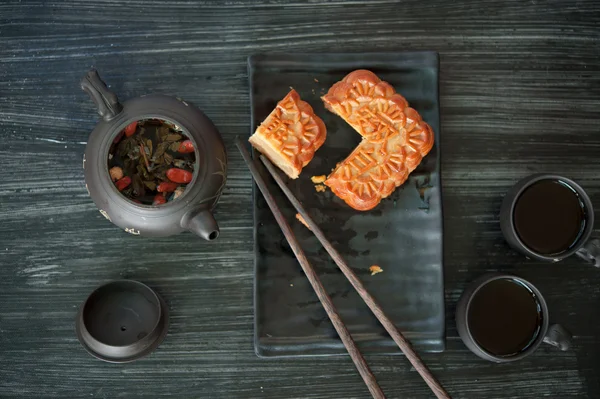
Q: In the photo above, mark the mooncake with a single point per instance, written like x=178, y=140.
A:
x=395, y=139
x=290, y=135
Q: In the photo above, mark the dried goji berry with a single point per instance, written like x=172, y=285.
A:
x=166, y=187
x=159, y=199
x=179, y=175
x=118, y=138
x=186, y=146
x=123, y=183
x=130, y=129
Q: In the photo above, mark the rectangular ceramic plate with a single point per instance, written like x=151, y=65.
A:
x=403, y=234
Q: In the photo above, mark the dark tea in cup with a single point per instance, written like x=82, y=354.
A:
x=503, y=318
x=549, y=217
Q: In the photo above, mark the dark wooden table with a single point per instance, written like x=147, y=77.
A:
x=520, y=93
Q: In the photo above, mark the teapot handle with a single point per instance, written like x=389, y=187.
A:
x=106, y=101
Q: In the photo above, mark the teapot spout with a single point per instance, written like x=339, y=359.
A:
x=202, y=224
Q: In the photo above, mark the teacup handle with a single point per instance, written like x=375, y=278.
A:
x=590, y=252
x=559, y=337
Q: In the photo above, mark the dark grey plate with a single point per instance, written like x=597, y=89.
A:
x=403, y=234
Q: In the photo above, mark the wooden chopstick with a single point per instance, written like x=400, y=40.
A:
x=396, y=335
x=334, y=316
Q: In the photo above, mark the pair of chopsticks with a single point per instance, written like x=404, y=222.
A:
x=334, y=316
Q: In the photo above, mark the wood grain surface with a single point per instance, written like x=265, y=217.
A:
x=520, y=93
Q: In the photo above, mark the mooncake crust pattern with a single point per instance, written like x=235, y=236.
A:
x=293, y=132
x=395, y=139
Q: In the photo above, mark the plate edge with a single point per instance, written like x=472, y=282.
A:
x=253, y=62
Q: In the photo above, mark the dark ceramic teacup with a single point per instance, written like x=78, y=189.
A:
x=503, y=318
x=543, y=209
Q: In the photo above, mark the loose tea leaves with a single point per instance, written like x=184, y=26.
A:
x=151, y=162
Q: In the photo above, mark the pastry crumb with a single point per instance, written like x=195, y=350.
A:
x=320, y=188
x=375, y=269
x=318, y=179
x=301, y=219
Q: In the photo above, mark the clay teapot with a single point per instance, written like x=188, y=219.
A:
x=192, y=211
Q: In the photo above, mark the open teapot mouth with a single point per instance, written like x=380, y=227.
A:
x=151, y=162
x=154, y=165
